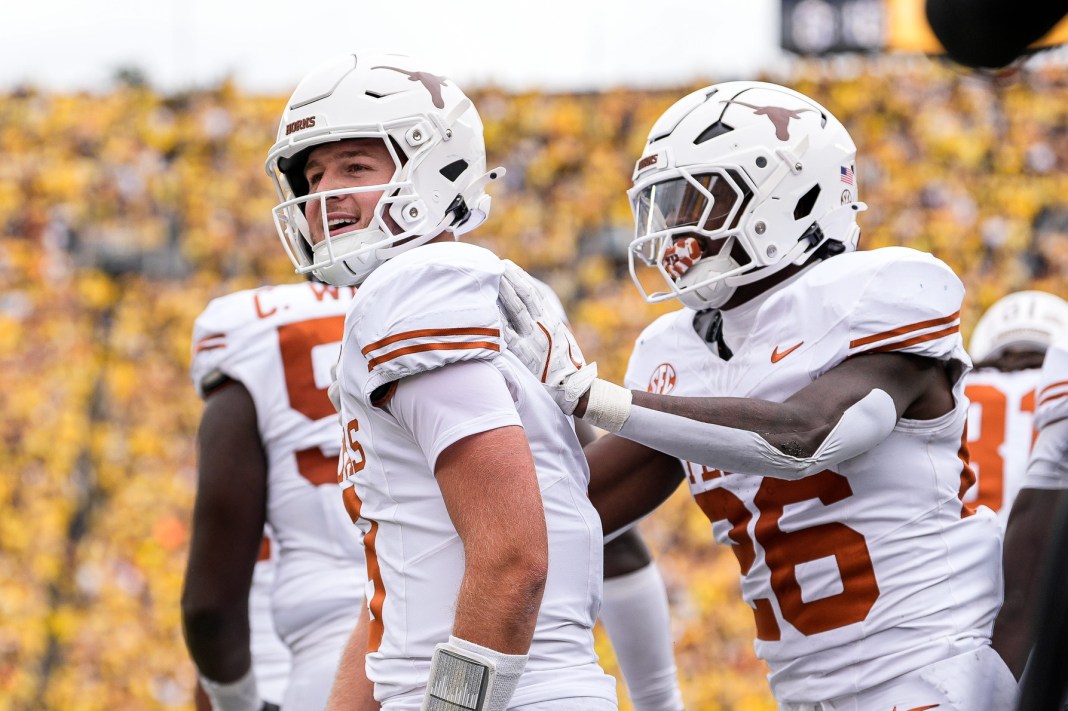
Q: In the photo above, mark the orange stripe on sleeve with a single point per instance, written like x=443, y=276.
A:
x=1051, y=387
x=902, y=330
x=913, y=341
x=1051, y=398
x=422, y=347
x=422, y=333
x=208, y=343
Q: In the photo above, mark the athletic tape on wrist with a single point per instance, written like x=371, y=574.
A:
x=608, y=406
x=240, y=695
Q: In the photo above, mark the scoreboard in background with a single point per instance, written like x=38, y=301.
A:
x=815, y=27
x=833, y=26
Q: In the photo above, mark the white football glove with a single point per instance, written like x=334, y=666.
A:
x=334, y=391
x=542, y=341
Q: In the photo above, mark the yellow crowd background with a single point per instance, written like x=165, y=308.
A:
x=122, y=213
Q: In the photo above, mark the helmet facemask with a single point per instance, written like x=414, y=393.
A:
x=695, y=210
x=348, y=257
x=760, y=176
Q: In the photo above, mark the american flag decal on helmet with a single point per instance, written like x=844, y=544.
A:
x=847, y=175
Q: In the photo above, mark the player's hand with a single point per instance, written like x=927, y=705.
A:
x=542, y=341
x=334, y=391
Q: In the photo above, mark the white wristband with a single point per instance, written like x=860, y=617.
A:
x=240, y=695
x=608, y=406
x=465, y=675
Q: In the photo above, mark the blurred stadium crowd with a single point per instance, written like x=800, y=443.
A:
x=122, y=214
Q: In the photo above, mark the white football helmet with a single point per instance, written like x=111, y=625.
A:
x=1026, y=320
x=431, y=130
x=765, y=173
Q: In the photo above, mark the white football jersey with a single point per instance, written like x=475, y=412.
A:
x=874, y=567
x=1000, y=434
x=280, y=343
x=430, y=308
x=270, y=656
x=1052, y=391
x=1048, y=466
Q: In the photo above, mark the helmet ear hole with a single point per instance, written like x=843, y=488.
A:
x=804, y=206
x=454, y=170
x=401, y=154
x=293, y=169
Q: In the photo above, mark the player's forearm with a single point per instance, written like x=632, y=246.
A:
x=628, y=480
x=352, y=690
x=739, y=439
x=218, y=639
x=499, y=599
x=1013, y=636
x=1026, y=539
x=792, y=429
x=788, y=428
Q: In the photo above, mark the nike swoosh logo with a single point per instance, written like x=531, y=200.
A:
x=922, y=708
x=776, y=356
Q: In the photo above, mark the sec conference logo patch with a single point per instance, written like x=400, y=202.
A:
x=663, y=380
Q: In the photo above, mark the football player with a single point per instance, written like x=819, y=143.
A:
x=1031, y=520
x=816, y=408
x=269, y=443
x=484, y=554
x=1007, y=347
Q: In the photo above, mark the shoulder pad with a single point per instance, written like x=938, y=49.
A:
x=427, y=308
x=235, y=325
x=910, y=303
x=213, y=337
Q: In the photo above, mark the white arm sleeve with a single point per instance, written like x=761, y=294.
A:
x=1048, y=466
x=862, y=426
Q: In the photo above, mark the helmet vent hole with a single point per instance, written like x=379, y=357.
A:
x=375, y=94
x=806, y=203
x=454, y=170
x=717, y=129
